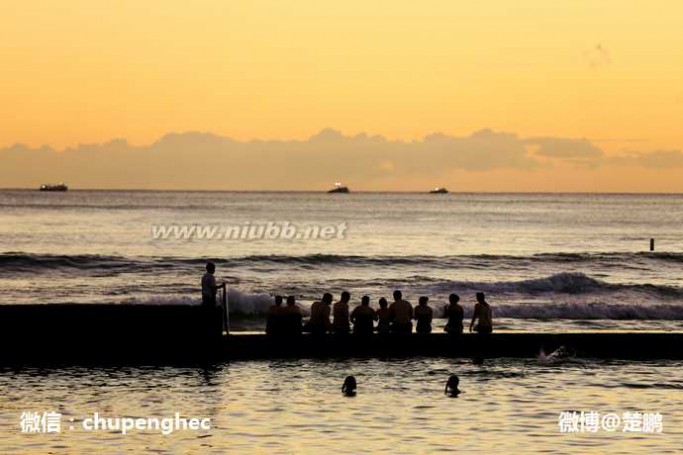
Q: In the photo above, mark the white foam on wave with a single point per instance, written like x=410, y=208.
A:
x=566, y=282
x=248, y=304
x=559, y=354
x=561, y=283
x=241, y=303
x=256, y=305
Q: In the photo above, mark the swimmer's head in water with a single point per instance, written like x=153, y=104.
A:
x=423, y=300
x=349, y=386
x=345, y=296
x=278, y=300
x=480, y=297
x=291, y=300
x=210, y=267
x=478, y=360
x=452, y=385
x=365, y=300
x=383, y=303
x=327, y=298
x=454, y=298
x=398, y=295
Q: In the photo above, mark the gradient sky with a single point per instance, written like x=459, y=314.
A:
x=83, y=72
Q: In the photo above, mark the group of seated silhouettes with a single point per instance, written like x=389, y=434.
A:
x=395, y=318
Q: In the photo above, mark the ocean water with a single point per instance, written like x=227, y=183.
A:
x=546, y=261
x=506, y=406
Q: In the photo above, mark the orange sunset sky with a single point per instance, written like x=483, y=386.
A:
x=525, y=95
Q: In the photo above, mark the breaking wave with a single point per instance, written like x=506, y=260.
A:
x=567, y=283
x=248, y=305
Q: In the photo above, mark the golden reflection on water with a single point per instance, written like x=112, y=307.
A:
x=297, y=406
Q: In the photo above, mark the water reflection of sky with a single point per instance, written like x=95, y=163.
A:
x=296, y=406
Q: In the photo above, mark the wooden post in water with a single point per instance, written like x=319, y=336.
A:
x=652, y=244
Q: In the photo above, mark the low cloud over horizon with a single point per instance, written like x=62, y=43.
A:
x=485, y=160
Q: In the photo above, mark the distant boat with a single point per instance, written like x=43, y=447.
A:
x=439, y=191
x=339, y=188
x=53, y=187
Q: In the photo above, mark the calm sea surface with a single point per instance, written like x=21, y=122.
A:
x=507, y=406
x=546, y=262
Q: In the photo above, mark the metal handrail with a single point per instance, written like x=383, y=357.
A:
x=226, y=313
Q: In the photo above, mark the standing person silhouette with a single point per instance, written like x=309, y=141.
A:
x=209, y=286
x=482, y=312
x=214, y=317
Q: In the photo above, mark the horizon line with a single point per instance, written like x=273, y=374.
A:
x=325, y=191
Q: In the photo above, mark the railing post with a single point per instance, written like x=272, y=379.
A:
x=226, y=314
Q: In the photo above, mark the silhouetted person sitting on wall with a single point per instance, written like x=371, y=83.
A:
x=482, y=312
x=209, y=286
x=400, y=314
x=362, y=317
x=291, y=318
x=274, y=317
x=319, y=323
x=423, y=316
x=384, y=323
x=340, y=322
x=454, y=313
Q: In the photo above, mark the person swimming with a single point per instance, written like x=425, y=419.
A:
x=455, y=314
x=362, y=317
x=452, y=386
x=423, y=316
x=383, y=321
x=482, y=312
x=401, y=314
x=349, y=386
